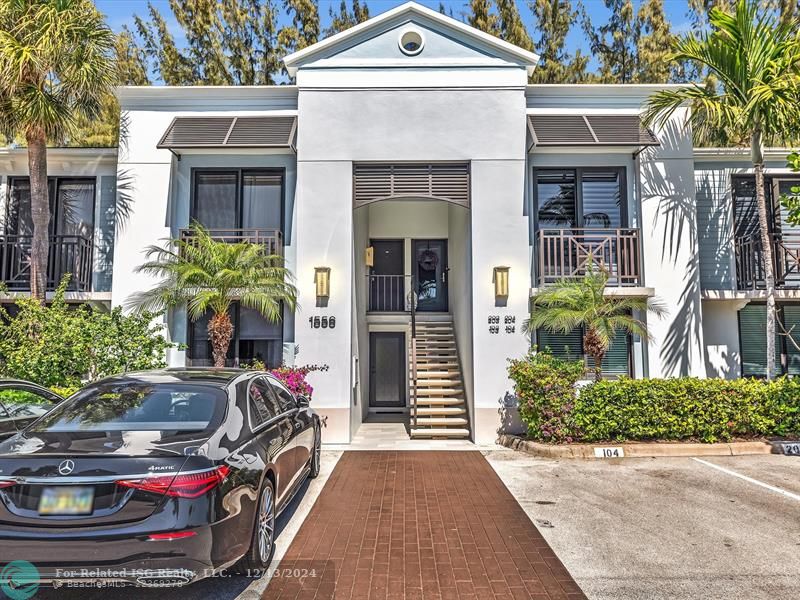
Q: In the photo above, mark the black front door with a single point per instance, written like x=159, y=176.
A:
x=387, y=370
x=429, y=269
x=386, y=281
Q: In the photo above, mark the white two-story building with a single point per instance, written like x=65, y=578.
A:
x=421, y=191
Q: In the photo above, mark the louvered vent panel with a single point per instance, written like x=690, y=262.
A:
x=373, y=182
x=561, y=129
x=234, y=132
x=620, y=129
x=261, y=131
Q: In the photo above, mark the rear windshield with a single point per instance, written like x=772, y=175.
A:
x=137, y=407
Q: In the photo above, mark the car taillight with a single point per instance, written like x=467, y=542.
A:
x=6, y=483
x=182, y=485
x=172, y=535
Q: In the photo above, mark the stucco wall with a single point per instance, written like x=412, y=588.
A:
x=721, y=338
x=670, y=252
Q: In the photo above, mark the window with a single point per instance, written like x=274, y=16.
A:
x=569, y=346
x=71, y=206
x=753, y=342
x=138, y=407
x=411, y=42
x=254, y=338
x=263, y=404
x=585, y=197
x=285, y=397
x=238, y=199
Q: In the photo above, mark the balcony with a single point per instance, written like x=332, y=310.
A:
x=271, y=239
x=68, y=254
x=750, y=261
x=570, y=253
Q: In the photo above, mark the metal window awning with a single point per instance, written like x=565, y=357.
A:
x=590, y=130
x=185, y=133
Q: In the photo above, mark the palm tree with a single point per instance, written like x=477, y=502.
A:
x=207, y=275
x=755, y=58
x=56, y=66
x=570, y=304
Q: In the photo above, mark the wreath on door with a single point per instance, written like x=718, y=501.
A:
x=428, y=260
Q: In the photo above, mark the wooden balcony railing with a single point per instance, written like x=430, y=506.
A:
x=67, y=254
x=271, y=239
x=387, y=293
x=568, y=253
x=750, y=261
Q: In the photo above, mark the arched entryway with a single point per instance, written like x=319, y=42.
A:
x=411, y=226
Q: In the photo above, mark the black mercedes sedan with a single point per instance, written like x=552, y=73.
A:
x=158, y=478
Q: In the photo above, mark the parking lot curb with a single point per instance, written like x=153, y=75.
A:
x=635, y=449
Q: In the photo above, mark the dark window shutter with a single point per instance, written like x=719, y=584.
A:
x=753, y=340
x=568, y=346
x=791, y=321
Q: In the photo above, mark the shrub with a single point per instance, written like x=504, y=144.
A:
x=686, y=408
x=294, y=378
x=545, y=390
x=58, y=345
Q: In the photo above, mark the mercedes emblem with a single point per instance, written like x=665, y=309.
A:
x=66, y=467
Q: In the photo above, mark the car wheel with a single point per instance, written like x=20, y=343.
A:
x=316, y=454
x=262, y=546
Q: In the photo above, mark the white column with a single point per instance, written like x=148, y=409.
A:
x=670, y=252
x=499, y=238
x=324, y=238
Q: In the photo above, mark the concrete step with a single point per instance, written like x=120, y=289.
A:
x=438, y=432
x=421, y=392
x=439, y=401
x=438, y=410
x=438, y=374
x=437, y=421
x=425, y=382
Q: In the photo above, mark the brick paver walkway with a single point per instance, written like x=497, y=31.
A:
x=408, y=525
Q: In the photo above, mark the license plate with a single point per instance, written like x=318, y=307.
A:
x=66, y=500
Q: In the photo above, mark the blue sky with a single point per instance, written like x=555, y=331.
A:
x=120, y=12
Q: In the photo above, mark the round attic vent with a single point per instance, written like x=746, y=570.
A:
x=411, y=42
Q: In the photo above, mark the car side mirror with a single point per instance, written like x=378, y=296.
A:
x=303, y=401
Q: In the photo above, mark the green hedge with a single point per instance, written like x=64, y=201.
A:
x=708, y=410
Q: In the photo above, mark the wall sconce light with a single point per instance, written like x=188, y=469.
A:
x=322, y=281
x=500, y=279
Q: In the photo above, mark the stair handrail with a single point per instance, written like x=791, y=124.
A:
x=413, y=304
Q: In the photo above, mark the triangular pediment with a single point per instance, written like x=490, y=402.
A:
x=388, y=40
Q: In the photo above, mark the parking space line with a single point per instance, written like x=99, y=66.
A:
x=772, y=488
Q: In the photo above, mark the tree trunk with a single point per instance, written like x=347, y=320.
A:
x=220, y=332
x=598, y=366
x=40, y=213
x=594, y=347
x=766, y=248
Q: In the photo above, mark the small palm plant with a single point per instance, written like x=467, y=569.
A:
x=208, y=275
x=572, y=303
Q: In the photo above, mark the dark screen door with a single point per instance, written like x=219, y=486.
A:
x=429, y=268
x=387, y=368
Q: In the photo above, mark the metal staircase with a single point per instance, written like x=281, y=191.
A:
x=438, y=401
